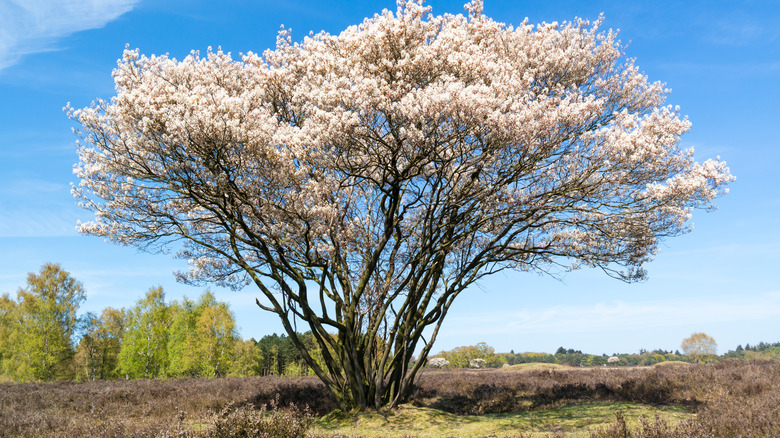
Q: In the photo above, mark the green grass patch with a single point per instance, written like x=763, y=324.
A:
x=672, y=362
x=536, y=366
x=574, y=420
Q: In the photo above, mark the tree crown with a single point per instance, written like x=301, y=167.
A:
x=363, y=180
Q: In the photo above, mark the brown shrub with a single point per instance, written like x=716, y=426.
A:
x=731, y=398
x=145, y=408
x=485, y=391
x=245, y=421
x=738, y=399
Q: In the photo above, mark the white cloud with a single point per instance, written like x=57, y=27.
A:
x=25, y=187
x=605, y=317
x=31, y=26
x=37, y=222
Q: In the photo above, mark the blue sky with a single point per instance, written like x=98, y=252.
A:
x=720, y=58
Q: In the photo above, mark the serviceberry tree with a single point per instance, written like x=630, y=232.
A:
x=362, y=181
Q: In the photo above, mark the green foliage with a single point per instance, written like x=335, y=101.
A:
x=460, y=357
x=202, y=338
x=571, y=357
x=97, y=355
x=182, y=340
x=273, y=355
x=187, y=339
x=199, y=339
x=152, y=339
x=277, y=352
x=144, y=346
x=528, y=357
x=9, y=315
x=577, y=358
x=700, y=347
x=762, y=350
x=215, y=331
x=40, y=326
x=247, y=359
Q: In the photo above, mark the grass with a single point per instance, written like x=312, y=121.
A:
x=575, y=420
x=536, y=367
x=672, y=362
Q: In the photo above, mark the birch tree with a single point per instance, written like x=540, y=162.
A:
x=97, y=354
x=144, y=351
x=8, y=322
x=42, y=332
x=216, y=334
x=202, y=337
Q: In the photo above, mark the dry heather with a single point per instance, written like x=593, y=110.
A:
x=155, y=408
x=731, y=398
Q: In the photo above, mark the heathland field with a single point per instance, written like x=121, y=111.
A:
x=725, y=399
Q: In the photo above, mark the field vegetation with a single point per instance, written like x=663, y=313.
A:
x=179, y=369
x=724, y=399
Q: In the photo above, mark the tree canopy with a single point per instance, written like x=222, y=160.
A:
x=699, y=346
x=38, y=329
x=362, y=181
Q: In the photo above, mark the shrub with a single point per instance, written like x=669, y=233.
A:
x=245, y=422
x=730, y=398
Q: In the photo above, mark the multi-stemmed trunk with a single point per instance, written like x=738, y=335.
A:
x=363, y=181
x=364, y=374
x=370, y=355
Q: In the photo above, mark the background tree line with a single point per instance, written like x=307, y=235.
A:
x=42, y=337
x=460, y=357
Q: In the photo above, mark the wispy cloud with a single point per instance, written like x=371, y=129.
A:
x=604, y=317
x=34, y=26
x=34, y=207
x=740, y=28
x=25, y=187
x=36, y=222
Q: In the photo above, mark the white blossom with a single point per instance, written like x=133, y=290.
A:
x=438, y=362
x=381, y=171
x=477, y=363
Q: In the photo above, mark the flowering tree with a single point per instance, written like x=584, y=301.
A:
x=362, y=181
x=438, y=362
x=477, y=363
